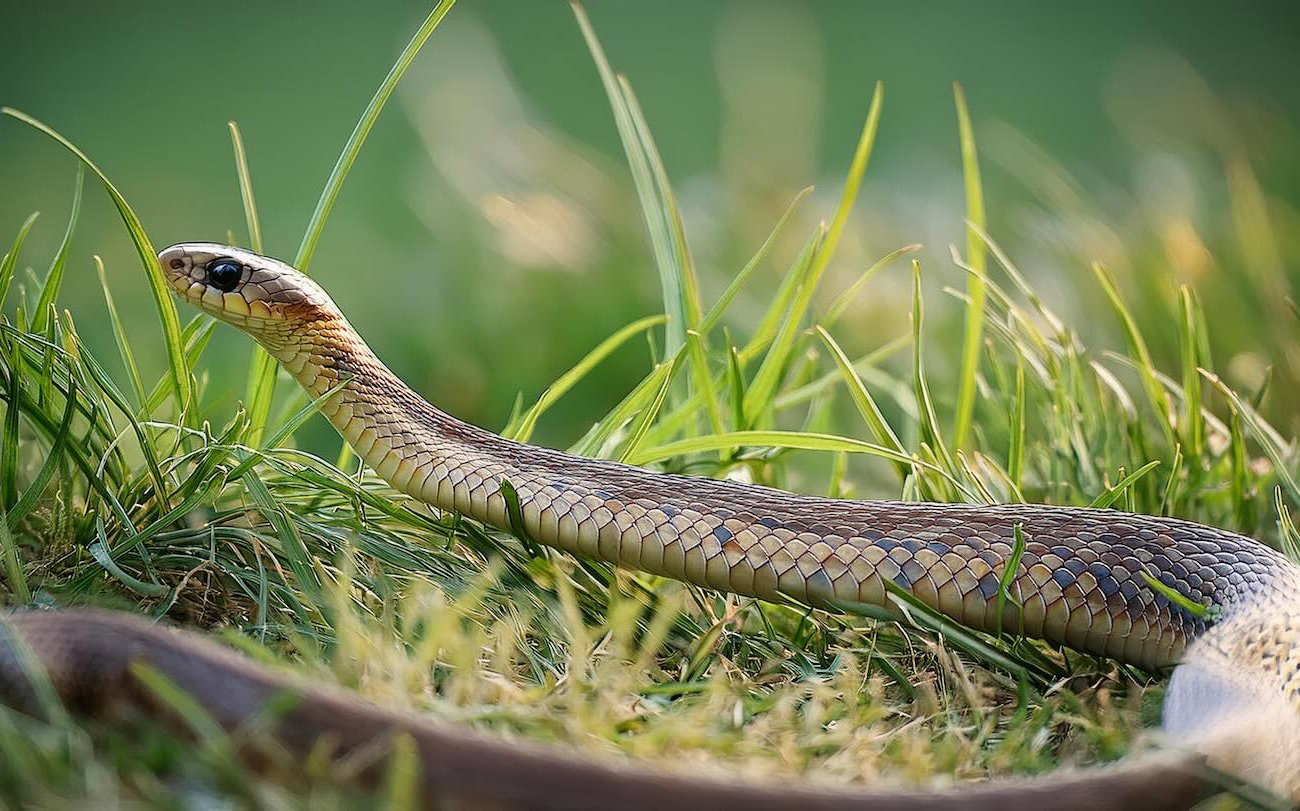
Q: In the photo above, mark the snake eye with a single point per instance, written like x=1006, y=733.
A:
x=224, y=274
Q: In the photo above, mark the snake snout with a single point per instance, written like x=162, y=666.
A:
x=177, y=266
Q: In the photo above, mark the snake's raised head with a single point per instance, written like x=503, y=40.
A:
x=256, y=293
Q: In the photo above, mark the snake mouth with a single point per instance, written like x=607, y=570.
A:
x=178, y=267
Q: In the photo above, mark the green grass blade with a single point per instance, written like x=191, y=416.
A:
x=929, y=423
x=1008, y=577
x=1115, y=491
x=711, y=318
x=973, y=340
x=1193, y=424
x=736, y=385
x=778, y=310
x=703, y=378
x=295, y=552
x=287, y=428
x=120, y=337
x=792, y=440
x=171, y=325
x=262, y=367
x=1200, y=610
x=329, y=195
x=648, y=414
x=958, y=635
x=690, y=283
x=48, y=468
x=1239, y=481
x=45, y=378
x=101, y=378
x=54, y=279
x=10, y=262
x=844, y=299
x=1156, y=393
x=862, y=399
x=13, y=567
x=864, y=366
x=246, y=188
x=524, y=430
x=763, y=387
x=1277, y=449
x=1289, y=536
x=769, y=373
x=641, y=156
x=858, y=168
x=1168, y=498
x=260, y=392
x=1016, y=451
x=99, y=550
x=9, y=437
x=196, y=335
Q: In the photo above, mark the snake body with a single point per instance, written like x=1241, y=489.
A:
x=1084, y=577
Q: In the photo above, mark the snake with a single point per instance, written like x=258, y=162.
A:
x=1100, y=581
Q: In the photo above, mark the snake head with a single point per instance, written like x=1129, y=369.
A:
x=256, y=293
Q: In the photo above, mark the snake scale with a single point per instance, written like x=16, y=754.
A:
x=1083, y=579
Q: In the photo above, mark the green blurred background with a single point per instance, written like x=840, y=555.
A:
x=489, y=234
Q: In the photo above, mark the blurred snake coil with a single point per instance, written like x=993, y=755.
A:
x=1084, y=579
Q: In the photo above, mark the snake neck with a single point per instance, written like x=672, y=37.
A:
x=395, y=431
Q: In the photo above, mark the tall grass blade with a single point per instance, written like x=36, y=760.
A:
x=704, y=380
x=791, y=440
x=1277, y=449
x=929, y=423
x=120, y=337
x=659, y=212
x=671, y=211
x=54, y=279
x=778, y=311
x=1118, y=490
x=1016, y=449
x=9, y=264
x=13, y=409
x=1146, y=367
x=973, y=340
x=351, y=149
x=246, y=188
x=769, y=373
x=1193, y=424
x=844, y=299
x=13, y=566
x=865, y=403
x=524, y=430
x=49, y=467
x=711, y=318
x=262, y=367
x=171, y=325
x=650, y=412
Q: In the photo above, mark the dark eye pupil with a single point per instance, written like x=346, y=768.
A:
x=224, y=274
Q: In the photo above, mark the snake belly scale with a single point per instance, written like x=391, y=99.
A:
x=1084, y=577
